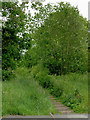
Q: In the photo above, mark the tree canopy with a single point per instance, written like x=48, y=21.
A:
x=14, y=37
x=55, y=36
x=61, y=41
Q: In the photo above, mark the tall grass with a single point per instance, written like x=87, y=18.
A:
x=71, y=89
x=75, y=91
x=24, y=96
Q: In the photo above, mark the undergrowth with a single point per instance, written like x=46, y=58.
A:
x=70, y=89
x=75, y=91
x=24, y=96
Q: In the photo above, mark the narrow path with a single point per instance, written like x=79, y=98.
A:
x=60, y=107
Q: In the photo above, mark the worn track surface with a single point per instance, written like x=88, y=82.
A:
x=60, y=107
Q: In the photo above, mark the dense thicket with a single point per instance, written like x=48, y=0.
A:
x=14, y=37
x=56, y=37
x=60, y=43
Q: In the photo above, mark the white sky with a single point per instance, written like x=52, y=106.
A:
x=82, y=5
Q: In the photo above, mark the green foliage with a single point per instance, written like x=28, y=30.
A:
x=7, y=74
x=26, y=61
x=23, y=96
x=75, y=91
x=14, y=38
x=56, y=39
x=57, y=89
x=40, y=74
x=43, y=79
x=61, y=40
x=71, y=89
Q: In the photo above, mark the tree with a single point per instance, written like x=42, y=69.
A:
x=14, y=36
x=61, y=41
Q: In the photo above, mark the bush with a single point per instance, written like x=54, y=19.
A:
x=23, y=71
x=68, y=88
x=44, y=79
x=72, y=100
x=75, y=93
x=41, y=74
x=36, y=69
x=7, y=74
x=57, y=89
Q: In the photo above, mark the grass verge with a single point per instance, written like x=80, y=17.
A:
x=74, y=91
x=70, y=89
x=24, y=96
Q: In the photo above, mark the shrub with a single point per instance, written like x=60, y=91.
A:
x=23, y=71
x=57, y=89
x=7, y=74
x=43, y=79
x=36, y=69
x=40, y=74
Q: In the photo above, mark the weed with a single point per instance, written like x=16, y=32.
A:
x=24, y=96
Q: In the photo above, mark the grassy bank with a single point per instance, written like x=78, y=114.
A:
x=71, y=89
x=74, y=89
x=24, y=96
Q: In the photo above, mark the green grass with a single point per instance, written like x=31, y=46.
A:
x=75, y=91
x=24, y=96
x=71, y=89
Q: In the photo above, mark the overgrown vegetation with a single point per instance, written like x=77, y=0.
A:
x=70, y=89
x=74, y=88
x=61, y=41
x=56, y=54
x=14, y=36
x=24, y=96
